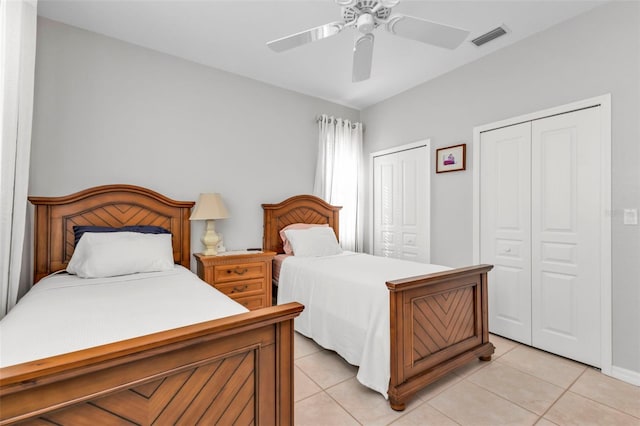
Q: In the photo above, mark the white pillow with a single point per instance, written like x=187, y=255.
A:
x=119, y=253
x=313, y=242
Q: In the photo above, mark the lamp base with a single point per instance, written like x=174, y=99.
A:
x=210, y=239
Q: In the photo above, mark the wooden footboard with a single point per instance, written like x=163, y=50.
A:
x=237, y=369
x=439, y=322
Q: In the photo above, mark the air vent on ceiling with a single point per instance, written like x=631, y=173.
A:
x=487, y=37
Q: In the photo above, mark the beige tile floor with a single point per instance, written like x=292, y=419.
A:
x=520, y=386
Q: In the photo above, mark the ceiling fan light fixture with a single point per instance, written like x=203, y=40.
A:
x=366, y=23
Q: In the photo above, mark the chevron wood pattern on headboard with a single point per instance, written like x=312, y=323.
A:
x=108, y=205
x=112, y=215
x=297, y=209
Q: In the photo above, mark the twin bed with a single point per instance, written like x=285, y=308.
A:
x=219, y=365
x=201, y=368
x=404, y=335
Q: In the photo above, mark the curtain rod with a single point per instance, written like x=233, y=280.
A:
x=335, y=121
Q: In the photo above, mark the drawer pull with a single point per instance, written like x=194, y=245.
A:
x=239, y=289
x=238, y=271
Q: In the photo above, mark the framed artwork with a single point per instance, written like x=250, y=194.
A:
x=451, y=158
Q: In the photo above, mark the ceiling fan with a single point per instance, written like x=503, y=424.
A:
x=366, y=16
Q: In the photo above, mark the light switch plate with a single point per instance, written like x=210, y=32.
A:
x=630, y=217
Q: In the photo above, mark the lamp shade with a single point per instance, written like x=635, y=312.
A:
x=209, y=206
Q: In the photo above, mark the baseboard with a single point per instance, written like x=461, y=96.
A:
x=625, y=375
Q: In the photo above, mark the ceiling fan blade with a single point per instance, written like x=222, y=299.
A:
x=426, y=31
x=304, y=37
x=362, y=56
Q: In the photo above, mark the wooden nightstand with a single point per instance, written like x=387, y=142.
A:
x=245, y=277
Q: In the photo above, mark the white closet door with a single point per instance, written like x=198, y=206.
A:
x=400, y=205
x=505, y=223
x=566, y=235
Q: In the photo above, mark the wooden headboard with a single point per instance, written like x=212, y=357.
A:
x=108, y=205
x=297, y=209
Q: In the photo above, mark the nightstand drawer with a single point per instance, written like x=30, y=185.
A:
x=251, y=302
x=239, y=271
x=243, y=288
x=244, y=277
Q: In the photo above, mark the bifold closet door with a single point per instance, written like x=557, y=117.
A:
x=505, y=228
x=565, y=229
x=400, y=202
x=540, y=221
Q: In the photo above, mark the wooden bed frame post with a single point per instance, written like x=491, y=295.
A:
x=439, y=322
x=284, y=375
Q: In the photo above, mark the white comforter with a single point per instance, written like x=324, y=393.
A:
x=63, y=313
x=347, y=306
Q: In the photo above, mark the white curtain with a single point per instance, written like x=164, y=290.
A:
x=338, y=179
x=18, y=21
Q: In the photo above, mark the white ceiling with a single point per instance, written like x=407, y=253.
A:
x=231, y=35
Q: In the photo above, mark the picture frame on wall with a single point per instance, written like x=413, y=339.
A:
x=451, y=158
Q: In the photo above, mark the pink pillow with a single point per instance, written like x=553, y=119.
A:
x=285, y=242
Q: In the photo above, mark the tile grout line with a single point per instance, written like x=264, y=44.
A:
x=324, y=391
x=386, y=401
x=340, y=405
x=515, y=345
x=527, y=373
x=445, y=388
x=584, y=366
x=601, y=402
x=444, y=414
x=319, y=385
x=308, y=355
x=314, y=382
x=483, y=365
x=510, y=401
x=363, y=386
x=562, y=394
x=505, y=399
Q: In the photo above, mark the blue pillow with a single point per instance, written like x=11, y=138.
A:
x=78, y=230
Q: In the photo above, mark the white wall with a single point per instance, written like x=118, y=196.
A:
x=590, y=55
x=112, y=112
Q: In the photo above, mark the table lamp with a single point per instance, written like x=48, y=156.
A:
x=210, y=207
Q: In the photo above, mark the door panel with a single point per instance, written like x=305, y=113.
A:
x=412, y=213
x=400, y=201
x=385, y=226
x=557, y=314
x=566, y=235
x=505, y=228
